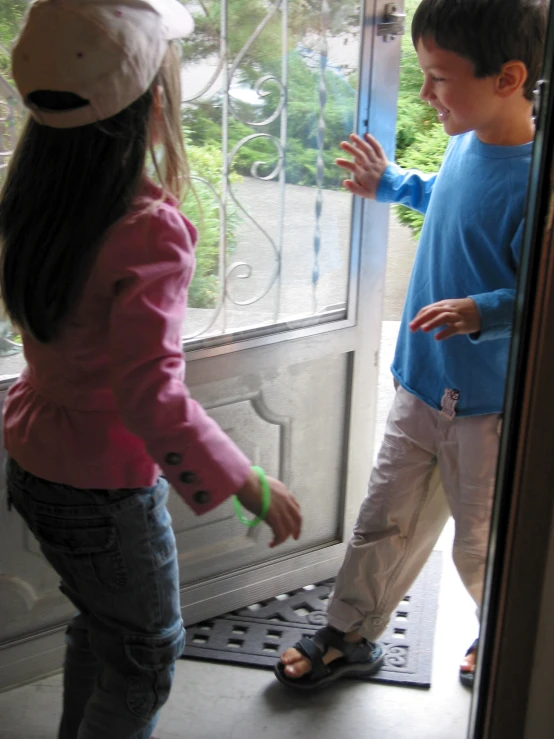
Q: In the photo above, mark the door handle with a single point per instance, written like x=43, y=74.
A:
x=393, y=24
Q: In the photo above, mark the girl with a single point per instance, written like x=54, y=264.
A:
x=95, y=265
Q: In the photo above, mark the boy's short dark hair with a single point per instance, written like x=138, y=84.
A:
x=488, y=33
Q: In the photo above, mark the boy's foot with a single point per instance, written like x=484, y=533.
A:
x=327, y=656
x=297, y=664
x=467, y=668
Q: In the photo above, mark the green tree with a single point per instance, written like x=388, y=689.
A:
x=421, y=141
x=413, y=114
x=11, y=14
x=245, y=15
x=264, y=58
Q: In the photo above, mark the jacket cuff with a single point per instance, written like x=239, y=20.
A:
x=204, y=476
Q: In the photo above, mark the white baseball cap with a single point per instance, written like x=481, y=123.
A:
x=107, y=52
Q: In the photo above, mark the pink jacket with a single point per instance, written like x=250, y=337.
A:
x=105, y=405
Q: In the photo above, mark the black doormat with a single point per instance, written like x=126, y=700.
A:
x=257, y=635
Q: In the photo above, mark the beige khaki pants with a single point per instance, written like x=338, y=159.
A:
x=406, y=509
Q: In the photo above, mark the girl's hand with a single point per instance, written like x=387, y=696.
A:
x=284, y=516
x=368, y=167
x=455, y=316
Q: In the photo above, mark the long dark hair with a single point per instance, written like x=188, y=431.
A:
x=63, y=191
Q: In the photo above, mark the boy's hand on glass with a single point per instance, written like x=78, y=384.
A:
x=368, y=167
x=454, y=317
x=284, y=517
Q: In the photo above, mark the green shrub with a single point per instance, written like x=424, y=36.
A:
x=202, y=208
x=425, y=153
x=203, y=121
x=11, y=14
x=420, y=139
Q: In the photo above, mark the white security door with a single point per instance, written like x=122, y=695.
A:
x=282, y=335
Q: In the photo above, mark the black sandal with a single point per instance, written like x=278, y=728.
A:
x=361, y=660
x=468, y=678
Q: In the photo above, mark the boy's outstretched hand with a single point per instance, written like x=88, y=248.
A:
x=453, y=316
x=369, y=164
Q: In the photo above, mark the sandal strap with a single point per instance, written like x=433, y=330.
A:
x=311, y=649
x=316, y=646
x=329, y=637
x=358, y=652
x=473, y=648
x=352, y=651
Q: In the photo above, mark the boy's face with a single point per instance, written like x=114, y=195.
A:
x=463, y=102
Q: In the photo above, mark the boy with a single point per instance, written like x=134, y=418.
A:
x=481, y=61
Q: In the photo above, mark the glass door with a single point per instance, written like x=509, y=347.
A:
x=283, y=330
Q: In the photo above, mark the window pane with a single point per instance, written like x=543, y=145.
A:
x=270, y=90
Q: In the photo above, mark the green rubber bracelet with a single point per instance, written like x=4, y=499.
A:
x=266, y=502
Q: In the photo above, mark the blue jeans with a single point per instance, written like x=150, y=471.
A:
x=115, y=553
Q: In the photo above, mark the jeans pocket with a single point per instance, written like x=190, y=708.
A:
x=152, y=659
x=88, y=547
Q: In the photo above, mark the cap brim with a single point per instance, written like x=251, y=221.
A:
x=176, y=18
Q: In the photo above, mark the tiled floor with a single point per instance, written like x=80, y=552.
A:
x=223, y=702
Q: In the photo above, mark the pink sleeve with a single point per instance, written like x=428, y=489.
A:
x=147, y=366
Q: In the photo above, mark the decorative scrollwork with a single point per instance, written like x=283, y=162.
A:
x=396, y=656
x=221, y=61
x=258, y=89
x=228, y=71
x=318, y=618
x=22, y=592
x=242, y=270
x=225, y=76
x=209, y=84
x=254, y=170
x=263, y=80
x=233, y=272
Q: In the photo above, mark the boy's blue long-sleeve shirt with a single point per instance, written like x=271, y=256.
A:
x=469, y=247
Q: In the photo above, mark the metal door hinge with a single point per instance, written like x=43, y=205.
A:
x=393, y=24
x=538, y=95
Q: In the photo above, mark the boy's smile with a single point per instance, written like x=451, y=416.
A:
x=463, y=102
